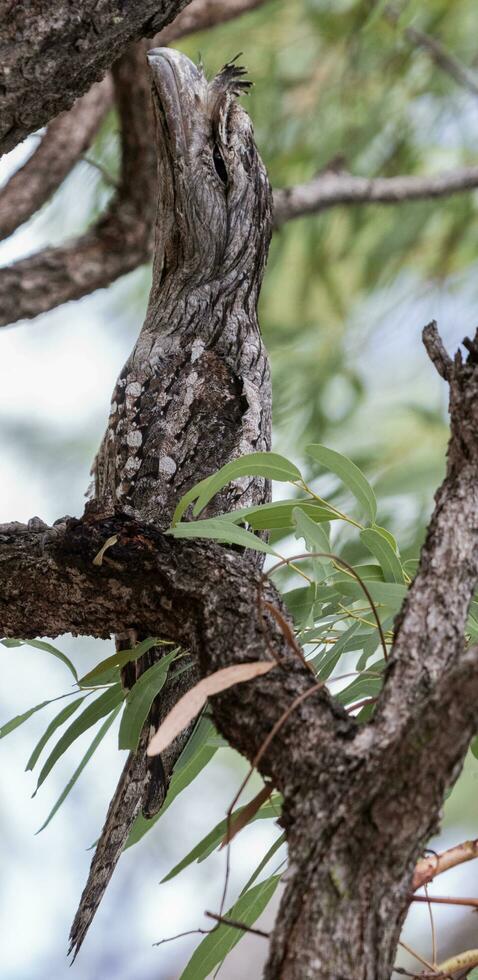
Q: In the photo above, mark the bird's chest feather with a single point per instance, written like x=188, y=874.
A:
x=174, y=420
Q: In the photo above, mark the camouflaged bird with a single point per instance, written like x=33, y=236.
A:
x=195, y=392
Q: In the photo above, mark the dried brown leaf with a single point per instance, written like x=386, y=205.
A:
x=247, y=813
x=191, y=703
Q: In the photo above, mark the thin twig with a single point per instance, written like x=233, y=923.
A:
x=224, y=920
x=449, y=900
x=180, y=935
x=432, y=927
x=421, y=959
x=350, y=569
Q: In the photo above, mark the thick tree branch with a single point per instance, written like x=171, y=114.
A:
x=41, y=282
x=328, y=190
x=429, y=648
x=51, y=55
x=196, y=594
x=200, y=15
x=122, y=239
x=399, y=766
x=66, y=138
x=433, y=865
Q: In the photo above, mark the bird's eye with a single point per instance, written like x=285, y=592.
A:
x=219, y=164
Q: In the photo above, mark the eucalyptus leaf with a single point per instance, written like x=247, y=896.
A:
x=56, y=723
x=280, y=840
x=208, y=844
x=218, y=943
x=47, y=647
x=349, y=474
x=18, y=720
x=315, y=536
x=379, y=544
x=271, y=466
x=97, y=709
x=140, y=699
x=78, y=771
x=117, y=660
x=278, y=515
x=215, y=529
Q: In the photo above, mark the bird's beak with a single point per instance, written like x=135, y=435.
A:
x=176, y=85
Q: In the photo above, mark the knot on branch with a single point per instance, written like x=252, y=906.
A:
x=461, y=373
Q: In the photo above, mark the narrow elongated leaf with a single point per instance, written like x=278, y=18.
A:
x=329, y=661
x=208, y=844
x=179, y=782
x=202, y=735
x=59, y=720
x=265, y=860
x=300, y=603
x=117, y=660
x=315, y=536
x=194, y=700
x=78, y=771
x=389, y=594
x=271, y=466
x=188, y=499
x=218, y=530
x=47, y=647
x=349, y=474
x=362, y=687
x=219, y=943
x=18, y=720
x=248, y=813
x=102, y=706
x=379, y=545
x=140, y=699
x=278, y=515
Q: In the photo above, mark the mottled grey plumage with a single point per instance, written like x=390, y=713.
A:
x=195, y=392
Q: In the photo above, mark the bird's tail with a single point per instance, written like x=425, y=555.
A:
x=142, y=786
x=122, y=812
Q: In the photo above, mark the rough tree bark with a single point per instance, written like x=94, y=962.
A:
x=51, y=54
x=360, y=802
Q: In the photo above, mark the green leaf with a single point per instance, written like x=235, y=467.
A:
x=218, y=530
x=18, y=720
x=188, y=499
x=208, y=844
x=379, y=545
x=59, y=720
x=180, y=780
x=328, y=663
x=362, y=687
x=278, y=515
x=349, y=474
x=315, y=536
x=102, y=706
x=215, y=946
x=42, y=645
x=78, y=771
x=474, y=747
x=265, y=860
x=117, y=660
x=389, y=594
x=140, y=699
x=202, y=735
x=271, y=466
x=300, y=603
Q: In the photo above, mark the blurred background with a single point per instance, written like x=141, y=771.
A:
x=345, y=298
